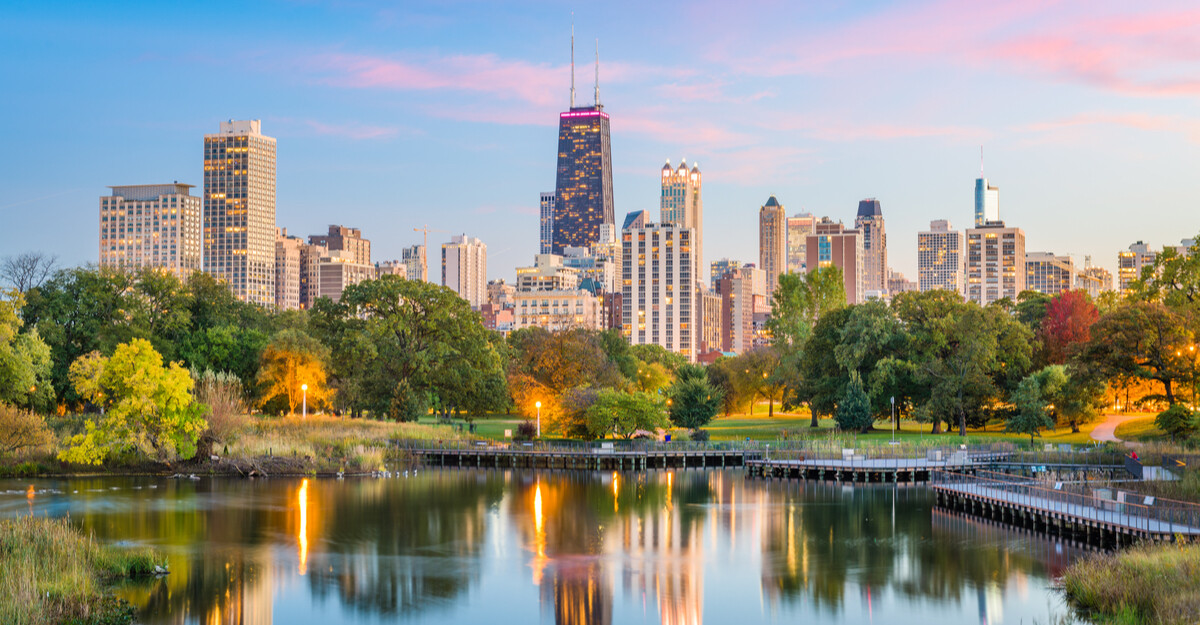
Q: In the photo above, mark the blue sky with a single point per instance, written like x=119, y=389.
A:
x=393, y=115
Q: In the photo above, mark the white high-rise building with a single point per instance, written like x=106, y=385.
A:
x=546, y=222
x=239, y=210
x=464, y=268
x=151, y=225
x=416, y=267
x=798, y=229
x=995, y=263
x=658, y=288
x=681, y=203
x=941, y=254
x=1131, y=262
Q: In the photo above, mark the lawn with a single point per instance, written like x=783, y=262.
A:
x=1140, y=430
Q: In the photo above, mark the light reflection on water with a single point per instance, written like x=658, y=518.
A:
x=676, y=547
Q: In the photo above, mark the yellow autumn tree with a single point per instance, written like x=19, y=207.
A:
x=294, y=359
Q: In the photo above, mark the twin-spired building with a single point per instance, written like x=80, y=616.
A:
x=682, y=204
x=239, y=210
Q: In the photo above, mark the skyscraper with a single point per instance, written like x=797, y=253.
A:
x=681, y=204
x=987, y=202
x=870, y=222
x=546, y=223
x=940, y=257
x=1131, y=262
x=239, y=210
x=798, y=229
x=583, y=189
x=349, y=240
x=464, y=268
x=772, y=239
x=151, y=225
x=658, y=289
x=995, y=262
x=833, y=245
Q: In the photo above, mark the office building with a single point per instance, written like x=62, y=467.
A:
x=721, y=267
x=288, y=270
x=583, y=188
x=869, y=222
x=833, y=245
x=416, y=265
x=546, y=223
x=941, y=258
x=239, y=210
x=709, y=304
x=464, y=268
x=995, y=263
x=151, y=225
x=680, y=203
x=1048, y=273
x=798, y=229
x=339, y=269
x=987, y=202
x=658, y=288
x=772, y=241
x=343, y=239
x=1131, y=262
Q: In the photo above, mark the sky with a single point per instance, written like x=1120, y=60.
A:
x=391, y=116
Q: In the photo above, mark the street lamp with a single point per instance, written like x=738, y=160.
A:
x=539, y=409
x=304, y=387
x=893, y=419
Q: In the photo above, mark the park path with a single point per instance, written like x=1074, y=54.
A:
x=1106, y=430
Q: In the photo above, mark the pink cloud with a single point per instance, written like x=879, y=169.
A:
x=1141, y=121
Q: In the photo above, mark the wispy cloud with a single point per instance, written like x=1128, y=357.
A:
x=1175, y=124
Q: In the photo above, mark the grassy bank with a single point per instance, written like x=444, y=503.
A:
x=1146, y=584
x=1140, y=430
x=51, y=573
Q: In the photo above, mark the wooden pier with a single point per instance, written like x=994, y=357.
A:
x=878, y=470
x=1078, y=511
x=586, y=460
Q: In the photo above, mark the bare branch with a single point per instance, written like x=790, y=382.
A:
x=27, y=271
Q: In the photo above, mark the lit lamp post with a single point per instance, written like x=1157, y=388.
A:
x=539, y=410
x=304, y=388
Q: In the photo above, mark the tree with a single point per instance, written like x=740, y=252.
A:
x=1079, y=400
x=22, y=430
x=1030, y=400
x=148, y=407
x=1143, y=340
x=1177, y=420
x=1030, y=309
x=652, y=377
x=693, y=400
x=854, y=410
x=761, y=376
x=721, y=375
x=25, y=365
x=292, y=360
x=1067, y=325
x=27, y=271
x=624, y=414
x=657, y=354
x=823, y=379
x=798, y=302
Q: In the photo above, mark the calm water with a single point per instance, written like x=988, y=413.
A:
x=521, y=547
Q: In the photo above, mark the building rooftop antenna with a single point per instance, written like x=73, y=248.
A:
x=981, y=161
x=597, y=73
x=572, y=60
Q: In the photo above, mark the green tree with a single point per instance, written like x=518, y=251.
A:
x=1030, y=400
x=694, y=401
x=148, y=407
x=291, y=362
x=624, y=414
x=823, y=379
x=798, y=302
x=854, y=409
x=25, y=366
x=1177, y=420
x=1143, y=340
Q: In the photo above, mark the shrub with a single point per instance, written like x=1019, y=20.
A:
x=222, y=394
x=1177, y=421
x=699, y=435
x=526, y=431
x=22, y=431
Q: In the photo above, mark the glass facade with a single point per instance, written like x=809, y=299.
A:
x=583, y=187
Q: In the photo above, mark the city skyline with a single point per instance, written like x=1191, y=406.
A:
x=366, y=128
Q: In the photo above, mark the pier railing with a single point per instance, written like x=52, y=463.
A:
x=1095, y=501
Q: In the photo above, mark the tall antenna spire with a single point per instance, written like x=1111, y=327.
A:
x=981, y=161
x=572, y=60
x=597, y=72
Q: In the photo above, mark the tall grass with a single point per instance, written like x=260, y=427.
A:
x=1145, y=584
x=51, y=573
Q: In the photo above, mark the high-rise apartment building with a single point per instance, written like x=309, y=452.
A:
x=583, y=188
x=987, y=202
x=721, y=267
x=1130, y=264
x=338, y=269
x=708, y=322
x=995, y=263
x=869, y=222
x=239, y=210
x=548, y=296
x=546, y=223
x=414, y=260
x=1048, y=273
x=681, y=203
x=151, y=225
x=736, y=289
x=287, y=270
x=547, y=274
x=310, y=273
x=343, y=239
x=464, y=268
x=833, y=245
x=772, y=242
x=798, y=229
x=941, y=256
x=658, y=288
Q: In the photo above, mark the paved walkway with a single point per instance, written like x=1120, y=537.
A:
x=1106, y=430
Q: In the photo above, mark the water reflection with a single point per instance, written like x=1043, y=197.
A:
x=571, y=547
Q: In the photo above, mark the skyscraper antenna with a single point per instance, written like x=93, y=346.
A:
x=981, y=161
x=597, y=72
x=572, y=60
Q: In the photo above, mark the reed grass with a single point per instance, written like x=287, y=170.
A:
x=1157, y=583
x=50, y=572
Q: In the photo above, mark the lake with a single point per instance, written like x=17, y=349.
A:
x=501, y=547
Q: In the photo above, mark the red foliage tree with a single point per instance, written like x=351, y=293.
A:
x=1068, y=322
